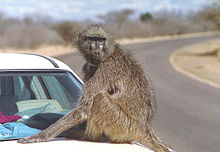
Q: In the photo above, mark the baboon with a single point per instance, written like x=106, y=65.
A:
x=116, y=102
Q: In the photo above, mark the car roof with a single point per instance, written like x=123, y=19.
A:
x=26, y=61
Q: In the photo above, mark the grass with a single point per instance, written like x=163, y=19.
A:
x=200, y=61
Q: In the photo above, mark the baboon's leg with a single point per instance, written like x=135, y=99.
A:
x=73, y=118
x=108, y=118
x=152, y=141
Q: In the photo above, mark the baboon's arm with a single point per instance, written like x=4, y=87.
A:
x=75, y=117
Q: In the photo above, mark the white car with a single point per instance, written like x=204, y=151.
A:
x=35, y=91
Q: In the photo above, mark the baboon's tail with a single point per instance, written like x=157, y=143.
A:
x=153, y=142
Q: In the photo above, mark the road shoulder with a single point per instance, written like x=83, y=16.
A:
x=199, y=61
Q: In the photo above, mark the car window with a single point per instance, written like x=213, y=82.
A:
x=38, y=98
x=60, y=86
x=37, y=87
x=20, y=89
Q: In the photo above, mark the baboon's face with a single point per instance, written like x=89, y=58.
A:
x=95, y=44
x=96, y=49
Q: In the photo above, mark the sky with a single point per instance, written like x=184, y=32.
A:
x=89, y=9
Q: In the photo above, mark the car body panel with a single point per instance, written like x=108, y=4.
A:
x=61, y=144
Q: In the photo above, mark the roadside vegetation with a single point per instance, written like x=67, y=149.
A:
x=35, y=31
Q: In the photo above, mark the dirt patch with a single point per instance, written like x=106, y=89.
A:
x=200, y=61
x=53, y=50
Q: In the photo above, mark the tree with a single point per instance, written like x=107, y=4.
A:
x=65, y=29
x=212, y=13
x=146, y=17
x=116, y=17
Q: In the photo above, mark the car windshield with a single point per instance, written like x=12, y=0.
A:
x=35, y=99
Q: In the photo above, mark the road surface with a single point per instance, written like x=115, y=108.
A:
x=188, y=111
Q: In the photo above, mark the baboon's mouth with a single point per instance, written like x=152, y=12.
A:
x=93, y=59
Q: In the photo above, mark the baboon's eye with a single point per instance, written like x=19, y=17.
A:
x=93, y=46
x=96, y=38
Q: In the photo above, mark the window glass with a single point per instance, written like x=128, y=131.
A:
x=29, y=93
x=32, y=101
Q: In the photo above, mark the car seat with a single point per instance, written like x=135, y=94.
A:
x=8, y=98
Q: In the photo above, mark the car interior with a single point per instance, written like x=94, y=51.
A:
x=37, y=99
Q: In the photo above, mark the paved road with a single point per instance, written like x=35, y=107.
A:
x=188, y=115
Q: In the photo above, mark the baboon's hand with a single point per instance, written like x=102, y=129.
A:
x=33, y=139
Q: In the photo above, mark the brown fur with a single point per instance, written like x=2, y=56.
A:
x=116, y=102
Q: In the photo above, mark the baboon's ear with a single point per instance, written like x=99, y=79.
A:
x=76, y=38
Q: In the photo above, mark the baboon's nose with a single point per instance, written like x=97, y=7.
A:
x=97, y=53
